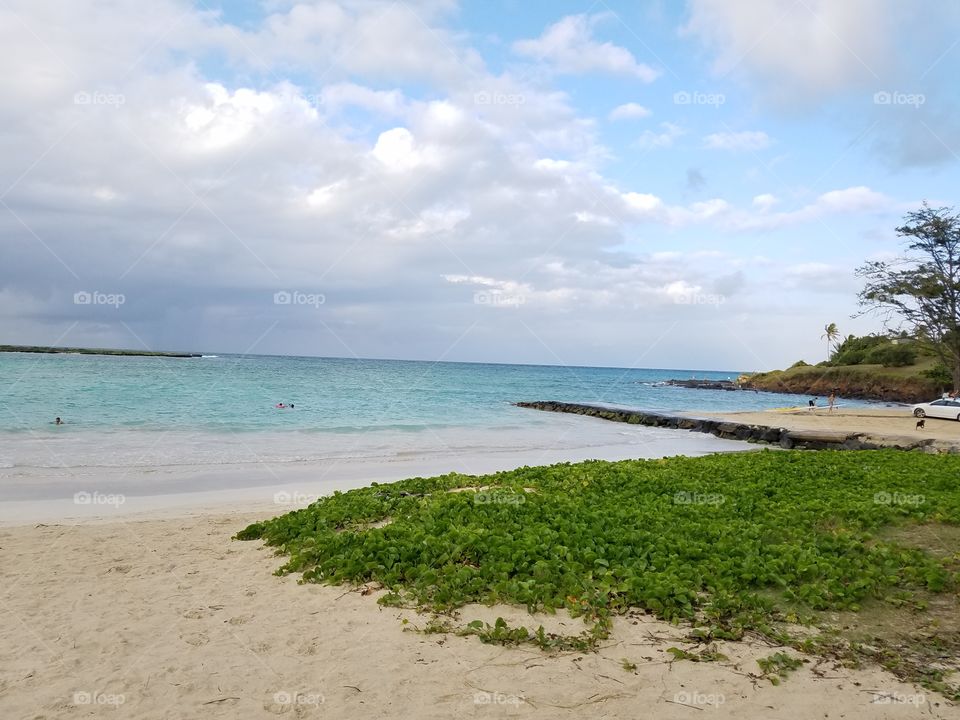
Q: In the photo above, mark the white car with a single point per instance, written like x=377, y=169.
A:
x=945, y=408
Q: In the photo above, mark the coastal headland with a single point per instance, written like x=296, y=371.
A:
x=50, y=350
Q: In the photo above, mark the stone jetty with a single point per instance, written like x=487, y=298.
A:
x=694, y=384
x=800, y=439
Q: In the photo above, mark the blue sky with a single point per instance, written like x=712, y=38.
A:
x=659, y=184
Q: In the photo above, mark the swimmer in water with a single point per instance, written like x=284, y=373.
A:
x=281, y=406
x=58, y=421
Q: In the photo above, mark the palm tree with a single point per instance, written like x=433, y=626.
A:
x=830, y=333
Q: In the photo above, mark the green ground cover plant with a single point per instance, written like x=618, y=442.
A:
x=785, y=537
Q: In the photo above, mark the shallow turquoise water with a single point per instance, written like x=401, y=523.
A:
x=239, y=393
x=147, y=413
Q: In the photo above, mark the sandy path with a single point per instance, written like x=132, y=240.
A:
x=171, y=619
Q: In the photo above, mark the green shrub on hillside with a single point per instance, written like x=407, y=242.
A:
x=940, y=375
x=891, y=355
x=854, y=350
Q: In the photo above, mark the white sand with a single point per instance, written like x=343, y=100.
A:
x=171, y=619
x=892, y=423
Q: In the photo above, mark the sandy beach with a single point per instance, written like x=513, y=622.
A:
x=170, y=618
x=873, y=422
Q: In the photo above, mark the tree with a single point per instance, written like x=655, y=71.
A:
x=920, y=291
x=831, y=333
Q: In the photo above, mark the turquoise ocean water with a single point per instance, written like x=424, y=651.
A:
x=142, y=410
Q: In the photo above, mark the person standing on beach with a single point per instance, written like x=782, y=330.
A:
x=831, y=400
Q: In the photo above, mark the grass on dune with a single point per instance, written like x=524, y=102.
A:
x=729, y=543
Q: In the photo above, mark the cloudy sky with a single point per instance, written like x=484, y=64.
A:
x=651, y=184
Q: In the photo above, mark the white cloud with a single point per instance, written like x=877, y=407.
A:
x=397, y=151
x=569, y=47
x=390, y=103
x=651, y=139
x=748, y=140
x=725, y=216
x=393, y=41
x=798, y=51
x=629, y=111
x=225, y=118
x=853, y=199
x=765, y=201
x=858, y=199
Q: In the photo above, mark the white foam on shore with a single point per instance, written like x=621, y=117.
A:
x=78, y=494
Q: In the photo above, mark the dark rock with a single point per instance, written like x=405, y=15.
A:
x=704, y=384
x=743, y=432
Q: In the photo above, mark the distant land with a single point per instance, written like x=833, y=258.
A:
x=873, y=367
x=93, y=351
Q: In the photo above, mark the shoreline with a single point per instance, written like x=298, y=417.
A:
x=30, y=495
